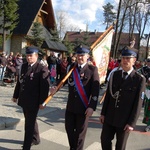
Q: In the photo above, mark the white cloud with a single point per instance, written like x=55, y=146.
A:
x=80, y=12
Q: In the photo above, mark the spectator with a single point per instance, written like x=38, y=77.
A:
x=69, y=58
x=51, y=60
x=146, y=119
x=111, y=66
x=3, y=65
x=63, y=66
x=43, y=61
x=18, y=64
x=58, y=67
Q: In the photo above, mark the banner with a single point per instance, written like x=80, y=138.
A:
x=101, y=52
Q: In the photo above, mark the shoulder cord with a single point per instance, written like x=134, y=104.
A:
x=116, y=95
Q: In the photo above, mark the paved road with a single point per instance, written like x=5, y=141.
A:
x=51, y=123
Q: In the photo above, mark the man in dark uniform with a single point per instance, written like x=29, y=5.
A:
x=31, y=90
x=123, y=102
x=82, y=98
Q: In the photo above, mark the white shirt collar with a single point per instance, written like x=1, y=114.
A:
x=32, y=64
x=82, y=65
x=129, y=71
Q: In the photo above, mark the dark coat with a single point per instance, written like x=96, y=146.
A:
x=90, y=80
x=32, y=86
x=127, y=108
x=3, y=61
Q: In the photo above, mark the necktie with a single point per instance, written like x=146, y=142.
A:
x=79, y=68
x=124, y=75
x=29, y=67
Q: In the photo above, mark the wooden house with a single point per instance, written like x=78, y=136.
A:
x=31, y=11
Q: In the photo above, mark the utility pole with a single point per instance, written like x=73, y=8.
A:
x=116, y=30
x=147, y=47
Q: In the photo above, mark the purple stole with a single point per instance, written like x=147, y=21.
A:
x=80, y=88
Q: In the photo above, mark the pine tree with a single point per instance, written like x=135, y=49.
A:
x=35, y=38
x=9, y=17
x=86, y=39
x=69, y=45
x=55, y=35
x=109, y=15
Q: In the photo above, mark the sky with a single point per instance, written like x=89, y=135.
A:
x=83, y=12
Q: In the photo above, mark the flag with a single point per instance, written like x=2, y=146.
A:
x=101, y=52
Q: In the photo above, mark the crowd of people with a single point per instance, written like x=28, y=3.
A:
x=9, y=67
x=126, y=81
x=56, y=63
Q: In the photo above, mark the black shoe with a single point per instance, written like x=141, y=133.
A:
x=35, y=143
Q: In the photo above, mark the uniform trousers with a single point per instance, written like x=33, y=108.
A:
x=31, y=128
x=107, y=135
x=76, y=127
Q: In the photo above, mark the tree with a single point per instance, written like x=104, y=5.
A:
x=9, y=17
x=109, y=15
x=69, y=45
x=55, y=35
x=36, y=38
x=133, y=16
x=64, y=24
x=85, y=39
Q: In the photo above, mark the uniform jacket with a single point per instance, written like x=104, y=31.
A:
x=32, y=86
x=127, y=108
x=90, y=80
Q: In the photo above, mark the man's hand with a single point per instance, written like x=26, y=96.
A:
x=89, y=112
x=14, y=100
x=101, y=118
x=41, y=106
x=53, y=90
x=128, y=128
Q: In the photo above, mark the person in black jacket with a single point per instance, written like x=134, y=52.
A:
x=31, y=90
x=145, y=70
x=122, y=103
x=3, y=65
x=83, y=95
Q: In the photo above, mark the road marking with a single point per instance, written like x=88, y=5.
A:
x=56, y=137
x=60, y=138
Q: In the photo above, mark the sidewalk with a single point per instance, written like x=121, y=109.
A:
x=11, y=113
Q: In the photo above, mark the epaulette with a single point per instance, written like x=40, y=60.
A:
x=91, y=66
x=139, y=74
